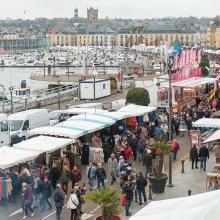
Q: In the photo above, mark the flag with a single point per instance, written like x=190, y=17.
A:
x=211, y=95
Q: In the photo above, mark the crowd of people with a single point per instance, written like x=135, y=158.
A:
x=135, y=143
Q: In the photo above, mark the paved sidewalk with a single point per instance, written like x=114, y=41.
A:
x=191, y=179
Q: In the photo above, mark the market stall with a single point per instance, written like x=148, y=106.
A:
x=11, y=156
x=184, y=208
x=207, y=123
x=214, y=137
x=44, y=144
x=132, y=110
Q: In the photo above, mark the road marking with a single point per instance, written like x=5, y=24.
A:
x=94, y=210
x=86, y=216
x=16, y=212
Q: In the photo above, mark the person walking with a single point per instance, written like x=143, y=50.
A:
x=76, y=176
x=59, y=196
x=64, y=179
x=203, y=155
x=194, y=155
x=141, y=183
x=55, y=174
x=133, y=143
x=27, y=200
x=73, y=204
x=147, y=162
x=120, y=165
x=91, y=174
x=129, y=194
x=112, y=166
x=101, y=176
x=126, y=152
x=46, y=194
x=175, y=149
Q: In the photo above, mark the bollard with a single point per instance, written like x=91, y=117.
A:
x=182, y=161
x=150, y=192
x=189, y=192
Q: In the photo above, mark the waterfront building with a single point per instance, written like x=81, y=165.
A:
x=14, y=41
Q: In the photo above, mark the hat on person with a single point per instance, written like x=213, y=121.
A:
x=149, y=151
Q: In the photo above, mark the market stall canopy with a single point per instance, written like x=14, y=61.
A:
x=203, y=206
x=207, y=123
x=44, y=144
x=190, y=83
x=11, y=156
x=57, y=132
x=213, y=137
x=84, y=110
x=78, y=125
x=194, y=82
x=132, y=110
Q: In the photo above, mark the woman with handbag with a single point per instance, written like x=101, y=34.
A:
x=73, y=204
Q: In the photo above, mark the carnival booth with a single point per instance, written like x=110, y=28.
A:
x=184, y=208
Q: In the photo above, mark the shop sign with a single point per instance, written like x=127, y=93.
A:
x=195, y=138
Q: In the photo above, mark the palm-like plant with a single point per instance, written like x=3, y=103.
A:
x=161, y=149
x=109, y=199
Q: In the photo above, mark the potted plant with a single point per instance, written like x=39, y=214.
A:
x=158, y=179
x=109, y=200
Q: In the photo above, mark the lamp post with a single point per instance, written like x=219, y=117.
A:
x=3, y=98
x=58, y=83
x=11, y=93
x=169, y=65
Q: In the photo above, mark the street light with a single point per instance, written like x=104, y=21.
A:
x=11, y=92
x=170, y=65
x=169, y=71
x=58, y=83
x=3, y=98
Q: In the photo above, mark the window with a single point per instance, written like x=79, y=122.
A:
x=26, y=125
x=104, y=86
x=4, y=126
x=15, y=125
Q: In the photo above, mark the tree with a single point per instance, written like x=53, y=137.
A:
x=204, y=64
x=138, y=96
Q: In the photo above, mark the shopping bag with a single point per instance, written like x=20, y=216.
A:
x=123, y=200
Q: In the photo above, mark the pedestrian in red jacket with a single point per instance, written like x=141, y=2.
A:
x=175, y=149
x=127, y=152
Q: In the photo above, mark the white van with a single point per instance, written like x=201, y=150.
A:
x=4, y=131
x=20, y=123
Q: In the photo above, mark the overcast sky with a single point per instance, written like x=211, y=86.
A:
x=110, y=8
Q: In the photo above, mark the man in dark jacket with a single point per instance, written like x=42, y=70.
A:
x=147, y=161
x=203, y=155
x=129, y=194
x=55, y=174
x=141, y=183
x=101, y=175
x=59, y=197
x=194, y=156
x=133, y=143
x=46, y=194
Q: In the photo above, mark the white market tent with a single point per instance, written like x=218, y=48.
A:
x=194, y=82
x=11, y=156
x=57, y=131
x=213, y=137
x=207, y=123
x=203, y=206
x=132, y=110
x=78, y=125
x=83, y=111
x=44, y=144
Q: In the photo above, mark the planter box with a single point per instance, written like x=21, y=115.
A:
x=158, y=184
